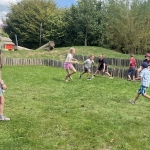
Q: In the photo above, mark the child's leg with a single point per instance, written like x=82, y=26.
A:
x=96, y=72
x=88, y=74
x=1, y=105
x=68, y=72
x=73, y=71
x=136, y=97
x=138, y=71
x=147, y=96
x=129, y=77
x=107, y=74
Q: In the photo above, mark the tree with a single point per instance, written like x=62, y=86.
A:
x=84, y=22
x=24, y=20
x=127, y=25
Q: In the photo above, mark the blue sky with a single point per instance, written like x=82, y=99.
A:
x=5, y=3
x=65, y=3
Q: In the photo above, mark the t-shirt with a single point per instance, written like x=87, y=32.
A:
x=102, y=62
x=145, y=74
x=68, y=56
x=132, y=62
x=148, y=61
x=88, y=63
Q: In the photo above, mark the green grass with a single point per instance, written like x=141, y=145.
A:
x=60, y=53
x=48, y=114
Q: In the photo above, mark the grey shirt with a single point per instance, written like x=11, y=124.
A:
x=88, y=63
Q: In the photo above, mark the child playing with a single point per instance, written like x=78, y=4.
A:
x=2, y=88
x=147, y=56
x=145, y=81
x=87, y=66
x=132, y=65
x=68, y=64
x=102, y=67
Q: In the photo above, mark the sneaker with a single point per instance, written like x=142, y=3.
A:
x=129, y=79
x=66, y=80
x=132, y=102
x=110, y=77
x=80, y=75
x=3, y=118
x=93, y=76
x=88, y=78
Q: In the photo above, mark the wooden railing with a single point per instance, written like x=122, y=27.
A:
x=115, y=72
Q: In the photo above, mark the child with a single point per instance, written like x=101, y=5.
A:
x=147, y=56
x=2, y=87
x=132, y=65
x=87, y=66
x=145, y=81
x=102, y=67
x=68, y=64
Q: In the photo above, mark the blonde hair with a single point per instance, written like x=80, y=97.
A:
x=72, y=49
x=91, y=55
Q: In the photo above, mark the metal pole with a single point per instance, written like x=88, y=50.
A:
x=40, y=34
x=16, y=41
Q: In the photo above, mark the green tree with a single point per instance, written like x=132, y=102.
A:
x=84, y=22
x=24, y=20
x=127, y=25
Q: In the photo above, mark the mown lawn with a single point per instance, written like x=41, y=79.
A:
x=60, y=53
x=48, y=114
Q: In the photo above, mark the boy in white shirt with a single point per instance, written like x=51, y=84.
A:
x=87, y=66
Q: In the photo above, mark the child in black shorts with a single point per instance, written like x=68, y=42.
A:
x=102, y=67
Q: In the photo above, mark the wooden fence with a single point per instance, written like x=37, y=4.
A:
x=110, y=61
x=115, y=72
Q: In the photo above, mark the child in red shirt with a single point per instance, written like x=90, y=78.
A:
x=132, y=65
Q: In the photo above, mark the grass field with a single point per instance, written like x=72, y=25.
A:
x=48, y=114
x=60, y=53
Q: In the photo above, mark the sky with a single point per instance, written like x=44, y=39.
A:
x=5, y=3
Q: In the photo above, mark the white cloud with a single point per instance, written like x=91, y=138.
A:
x=7, y=2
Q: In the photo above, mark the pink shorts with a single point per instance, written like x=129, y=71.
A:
x=67, y=65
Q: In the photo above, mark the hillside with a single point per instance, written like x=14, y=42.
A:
x=60, y=53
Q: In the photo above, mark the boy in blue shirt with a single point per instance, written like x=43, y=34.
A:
x=145, y=81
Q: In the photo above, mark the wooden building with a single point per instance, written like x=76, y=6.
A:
x=6, y=44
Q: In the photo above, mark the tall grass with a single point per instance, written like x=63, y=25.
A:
x=48, y=114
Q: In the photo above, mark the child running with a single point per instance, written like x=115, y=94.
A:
x=147, y=59
x=2, y=101
x=131, y=70
x=145, y=81
x=68, y=64
x=87, y=67
x=102, y=67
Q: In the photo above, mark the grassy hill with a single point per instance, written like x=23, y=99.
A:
x=60, y=53
x=48, y=114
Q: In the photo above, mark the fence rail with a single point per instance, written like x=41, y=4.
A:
x=111, y=61
x=115, y=72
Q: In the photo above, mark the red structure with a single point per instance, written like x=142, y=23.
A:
x=6, y=44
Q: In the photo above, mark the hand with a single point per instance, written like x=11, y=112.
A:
x=4, y=87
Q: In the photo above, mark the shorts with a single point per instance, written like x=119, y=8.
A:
x=68, y=65
x=101, y=68
x=142, y=90
x=87, y=70
x=131, y=71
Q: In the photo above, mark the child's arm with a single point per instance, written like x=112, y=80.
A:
x=138, y=78
x=104, y=67
x=73, y=60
